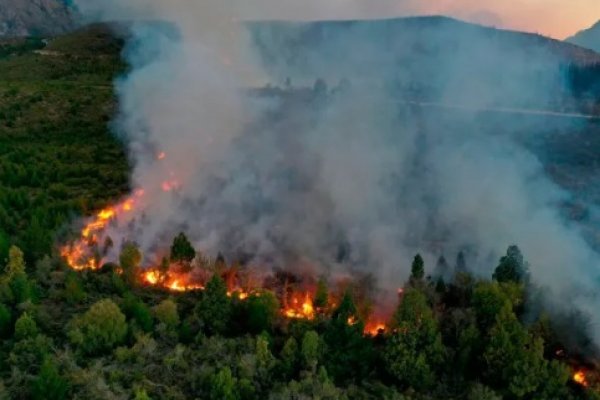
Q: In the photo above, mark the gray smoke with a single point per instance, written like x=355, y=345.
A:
x=352, y=178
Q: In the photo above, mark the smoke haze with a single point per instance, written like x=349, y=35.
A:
x=354, y=179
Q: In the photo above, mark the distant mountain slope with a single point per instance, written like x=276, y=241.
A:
x=305, y=45
x=588, y=38
x=34, y=17
x=433, y=58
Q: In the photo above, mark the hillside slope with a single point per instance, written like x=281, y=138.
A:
x=588, y=38
x=34, y=17
x=57, y=157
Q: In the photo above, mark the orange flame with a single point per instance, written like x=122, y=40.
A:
x=152, y=277
x=173, y=281
x=374, y=328
x=79, y=254
x=300, y=308
x=161, y=156
x=580, y=378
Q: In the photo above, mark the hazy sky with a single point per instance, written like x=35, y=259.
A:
x=556, y=18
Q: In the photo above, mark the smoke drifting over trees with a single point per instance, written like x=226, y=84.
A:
x=353, y=178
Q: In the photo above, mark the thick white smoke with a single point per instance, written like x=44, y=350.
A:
x=348, y=180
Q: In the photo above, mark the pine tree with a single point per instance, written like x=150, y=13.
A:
x=214, y=310
x=182, y=250
x=418, y=269
x=512, y=267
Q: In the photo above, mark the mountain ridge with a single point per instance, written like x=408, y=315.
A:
x=35, y=18
x=588, y=38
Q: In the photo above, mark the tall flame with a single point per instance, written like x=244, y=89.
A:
x=300, y=307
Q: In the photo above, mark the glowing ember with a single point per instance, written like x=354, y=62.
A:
x=169, y=186
x=352, y=320
x=239, y=293
x=161, y=156
x=580, y=378
x=128, y=205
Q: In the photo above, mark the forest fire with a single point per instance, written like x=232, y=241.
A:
x=89, y=250
x=297, y=303
x=78, y=254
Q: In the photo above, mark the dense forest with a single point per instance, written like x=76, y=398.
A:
x=106, y=334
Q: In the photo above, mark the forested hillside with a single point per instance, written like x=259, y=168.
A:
x=57, y=158
x=109, y=334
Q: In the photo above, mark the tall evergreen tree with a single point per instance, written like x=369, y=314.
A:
x=182, y=250
x=417, y=271
x=512, y=267
x=214, y=310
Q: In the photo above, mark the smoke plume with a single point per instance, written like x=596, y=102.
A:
x=349, y=178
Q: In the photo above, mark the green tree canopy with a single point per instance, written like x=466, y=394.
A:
x=415, y=351
x=261, y=311
x=514, y=358
x=130, y=259
x=49, y=384
x=214, y=310
x=5, y=320
x=99, y=329
x=25, y=327
x=16, y=263
x=166, y=312
x=222, y=386
x=488, y=300
x=311, y=350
